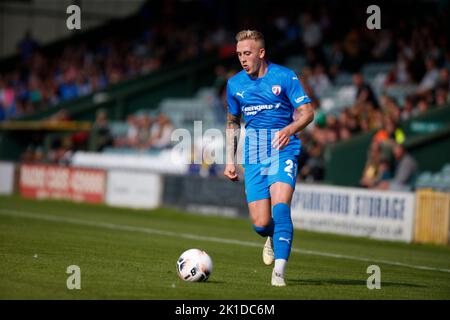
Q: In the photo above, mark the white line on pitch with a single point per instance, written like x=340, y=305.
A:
x=112, y=226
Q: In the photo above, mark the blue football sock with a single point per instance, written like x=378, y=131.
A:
x=283, y=231
x=266, y=230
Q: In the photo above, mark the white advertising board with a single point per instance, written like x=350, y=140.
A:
x=351, y=211
x=133, y=189
x=6, y=178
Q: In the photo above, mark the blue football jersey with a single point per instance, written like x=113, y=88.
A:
x=267, y=105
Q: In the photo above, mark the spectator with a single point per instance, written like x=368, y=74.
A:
x=408, y=110
x=130, y=138
x=442, y=96
x=144, y=133
x=335, y=59
x=101, y=135
x=444, y=78
x=405, y=171
x=312, y=33
x=364, y=92
x=132, y=132
x=371, y=168
x=431, y=77
x=422, y=106
x=400, y=75
x=27, y=46
x=319, y=80
x=161, y=137
x=384, y=49
x=313, y=170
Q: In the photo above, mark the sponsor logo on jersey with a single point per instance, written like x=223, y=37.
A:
x=252, y=110
x=240, y=94
x=300, y=99
x=276, y=90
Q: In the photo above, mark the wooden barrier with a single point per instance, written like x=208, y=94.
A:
x=432, y=217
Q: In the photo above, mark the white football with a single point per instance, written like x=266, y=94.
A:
x=194, y=265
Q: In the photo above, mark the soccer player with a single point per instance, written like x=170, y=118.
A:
x=275, y=107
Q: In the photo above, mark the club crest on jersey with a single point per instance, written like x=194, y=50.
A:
x=276, y=90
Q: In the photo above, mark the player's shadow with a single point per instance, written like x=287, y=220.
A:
x=348, y=282
x=214, y=282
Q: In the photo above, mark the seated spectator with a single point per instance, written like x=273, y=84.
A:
x=319, y=80
x=405, y=171
x=442, y=96
x=444, y=78
x=145, y=124
x=431, y=77
x=400, y=74
x=364, y=92
x=408, y=110
x=130, y=138
x=68, y=90
x=132, y=132
x=161, y=138
x=422, y=106
x=384, y=171
x=344, y=134
x=312, y=33
x=313, y=170
x=389, y=133
x=370, y=172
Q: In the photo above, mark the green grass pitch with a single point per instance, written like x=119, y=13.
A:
x=131, y=254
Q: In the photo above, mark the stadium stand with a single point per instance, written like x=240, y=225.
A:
x=438, y=181
x=363, y=84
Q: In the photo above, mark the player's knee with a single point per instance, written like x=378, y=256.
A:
x=263, y=226
x=264, y=230
x=261, y=221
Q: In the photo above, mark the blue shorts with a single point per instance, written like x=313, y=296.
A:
x=259, y=177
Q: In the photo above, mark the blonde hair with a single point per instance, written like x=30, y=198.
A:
x=251, y=34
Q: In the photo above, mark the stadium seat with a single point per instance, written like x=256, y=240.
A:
x=343, y=79
x=370, y=70
x=118, y=128
x=446, y=169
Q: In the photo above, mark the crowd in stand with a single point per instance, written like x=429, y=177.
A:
x=417, y=45
x=40, y=81
x=146, y=133
x=421, y=57
x=420, y=54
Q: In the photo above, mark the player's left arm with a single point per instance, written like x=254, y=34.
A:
x=303, y=116
x=303, y=113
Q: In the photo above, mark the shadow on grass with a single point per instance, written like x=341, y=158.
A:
x=348, y=282
x=214, y=281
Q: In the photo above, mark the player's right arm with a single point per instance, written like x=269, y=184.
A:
x=232, y=135
x=233, y=131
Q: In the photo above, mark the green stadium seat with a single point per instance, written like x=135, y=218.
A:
x=446, y=168
x=343, y=79
x=118, y=128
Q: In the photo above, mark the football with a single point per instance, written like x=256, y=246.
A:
x=194, y=265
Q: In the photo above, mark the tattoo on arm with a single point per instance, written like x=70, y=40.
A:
x=232, y=136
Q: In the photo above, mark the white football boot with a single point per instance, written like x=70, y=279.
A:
x=268, y=255
x=277, y=279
